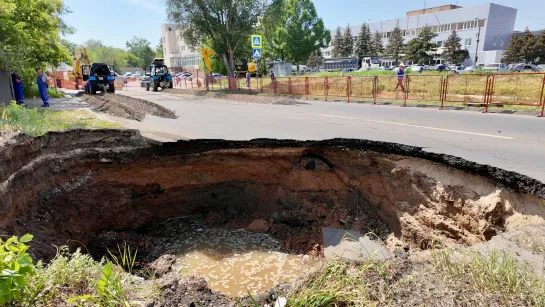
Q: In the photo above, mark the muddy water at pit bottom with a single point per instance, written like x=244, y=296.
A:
x=237, y=262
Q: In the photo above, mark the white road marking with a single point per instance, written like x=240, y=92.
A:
x=417, y=126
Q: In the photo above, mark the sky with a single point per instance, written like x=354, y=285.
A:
x=114, y=22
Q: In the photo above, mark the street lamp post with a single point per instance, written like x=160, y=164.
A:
x=478, y=38
x=371, y=23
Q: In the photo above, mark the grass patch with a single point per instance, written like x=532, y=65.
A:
x=441, y=277
x=37, y=122
x=342, y=284
x=34, y=92
x=497, y=275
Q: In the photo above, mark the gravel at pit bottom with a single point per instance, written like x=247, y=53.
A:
x=251, y=98
x=127, y=107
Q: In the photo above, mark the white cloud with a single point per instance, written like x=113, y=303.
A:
x=147, y=4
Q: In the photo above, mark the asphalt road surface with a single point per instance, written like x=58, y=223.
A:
x=513, y=142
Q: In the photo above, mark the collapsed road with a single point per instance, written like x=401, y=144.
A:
x=89, y=187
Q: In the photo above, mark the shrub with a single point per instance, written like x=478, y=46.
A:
x=15, y=268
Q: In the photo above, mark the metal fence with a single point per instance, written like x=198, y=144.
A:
x=516, y=89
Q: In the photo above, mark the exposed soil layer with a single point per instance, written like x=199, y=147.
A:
x=126, y=107
x=261, y=99
x=73, y=185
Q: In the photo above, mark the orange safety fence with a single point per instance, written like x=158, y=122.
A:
x=466, y=88
x=517, y=89
x=425, y=88
x=525, y=89
x=363, y=87
x=386, y=88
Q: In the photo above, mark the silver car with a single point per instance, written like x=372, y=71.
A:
x=495, y=67
x=525, y=68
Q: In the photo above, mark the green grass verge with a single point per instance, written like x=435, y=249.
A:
x=34, y=92
x=35, y=122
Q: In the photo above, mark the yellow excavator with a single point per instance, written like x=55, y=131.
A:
x=241, y=66
x=80, y=59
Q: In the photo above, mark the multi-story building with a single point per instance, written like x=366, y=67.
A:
x=495, y=23
x=176, y=52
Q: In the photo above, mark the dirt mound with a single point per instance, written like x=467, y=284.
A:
x=252, y=98
x=127, y=107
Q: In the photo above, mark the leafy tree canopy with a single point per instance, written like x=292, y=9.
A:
x=224, y=25
x=420, y=49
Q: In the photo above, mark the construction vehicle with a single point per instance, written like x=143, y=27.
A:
x=158, y=74
x=242, y=67
x=80, y=58
x=98, y=77
x=206, y=53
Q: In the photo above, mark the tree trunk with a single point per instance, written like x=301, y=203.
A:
x=230, y=67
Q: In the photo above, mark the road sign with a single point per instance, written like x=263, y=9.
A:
x=257, y=42
x=257, y=53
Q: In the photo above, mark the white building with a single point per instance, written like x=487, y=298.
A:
x=496, y=24
x=176, y=52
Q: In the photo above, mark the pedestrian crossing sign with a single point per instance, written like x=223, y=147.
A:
x=257, y=53
x=257, y=42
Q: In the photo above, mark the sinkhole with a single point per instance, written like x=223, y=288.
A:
x=243, y=214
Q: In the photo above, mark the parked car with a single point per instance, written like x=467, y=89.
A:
x=216, y=75
x=345, y=70
x=541, y=67
x=127, y=75
x=417, y=68
x=495, y=67
x=524, y=68
x=457, y=68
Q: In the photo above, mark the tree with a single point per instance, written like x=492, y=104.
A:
x=420, y=49
x=523, y=47
x=315, y=60
x=513, y=51
x=348, y=42
x=541, y=46
x=269, y=26
x=337, y=44
x=363, y=44
x=395, y=46
x=30, y=34
x=453, y=52
x=223, y=25
x=159, y=49
x=142, y=51
x=376, y=48
x=300, y=31
x=99, y=53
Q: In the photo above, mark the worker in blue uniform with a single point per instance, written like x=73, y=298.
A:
x=43, y=86
x=17, y=87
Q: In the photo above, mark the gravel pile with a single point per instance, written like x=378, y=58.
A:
x=127, y=107
x=251, y=98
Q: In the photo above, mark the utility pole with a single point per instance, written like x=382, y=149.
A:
x=477, y=48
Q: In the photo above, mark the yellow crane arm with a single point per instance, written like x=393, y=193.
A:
x=205, y=52
x=80, y=58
